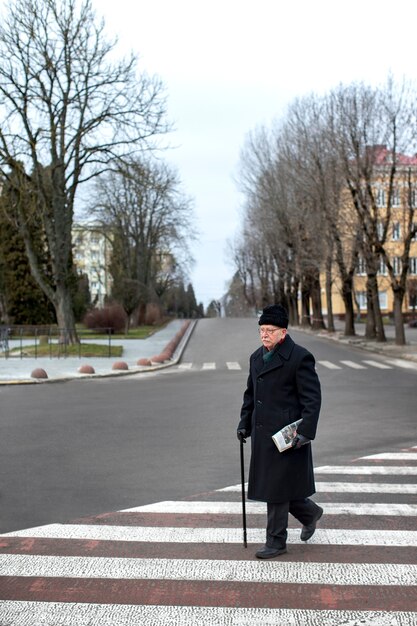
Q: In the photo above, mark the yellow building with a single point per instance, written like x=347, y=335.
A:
x=403, y=197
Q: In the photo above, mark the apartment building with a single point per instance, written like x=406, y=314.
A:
x=403, y=197
x=92, y=257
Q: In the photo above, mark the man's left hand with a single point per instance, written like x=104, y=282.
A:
x=299, y=440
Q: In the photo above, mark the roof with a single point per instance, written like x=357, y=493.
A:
x=383, y=156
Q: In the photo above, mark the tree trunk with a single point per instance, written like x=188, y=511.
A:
x=305, y=306
x=347, y=296
x=379, y=325
x=292, y=298
x=379, y=332
x=398, y=317
x=330, y=317
x=370, y=315
x=318, y=321
x=65, y=316
x=142, y=313
x=348, y=303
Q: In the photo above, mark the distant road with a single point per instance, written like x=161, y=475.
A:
x=89, y=446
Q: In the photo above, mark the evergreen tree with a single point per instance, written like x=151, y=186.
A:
x=22, y=299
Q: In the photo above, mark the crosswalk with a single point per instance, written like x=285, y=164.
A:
x=183, y=562
x=329, y=365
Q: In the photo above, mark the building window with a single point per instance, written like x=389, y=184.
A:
x=414, y=237
x=413, y=198
x=396, y=231
x=380, y=230
x=380, y=197
x=395, y=197
x=361, y=266
x=361, y=298
x=413, y=265
x=396, y=265
x=382, y=267
x=383, y=299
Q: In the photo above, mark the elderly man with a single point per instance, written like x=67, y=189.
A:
x=282, y=387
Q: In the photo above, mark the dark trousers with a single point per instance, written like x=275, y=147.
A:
x=276, y=530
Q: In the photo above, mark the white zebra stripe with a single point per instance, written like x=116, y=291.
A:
x=185, y=366
x=329, y=365
x=381, y=470
x=339, y=487
x=255, y=508
x=393, y=456
x=396, y=488
x=305, y=573
x=381, y=366
x=215, y=535
x=354, y=365
x=208, y=366
x=76, y=614
x=403, y=363
x=233, y=365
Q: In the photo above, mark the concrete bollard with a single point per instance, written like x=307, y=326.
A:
x=146, y=362
x=39, y=373
x=120, y=365
x=86, y=369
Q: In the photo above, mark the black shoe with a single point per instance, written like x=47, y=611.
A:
x=269, y=553
x=308, y=531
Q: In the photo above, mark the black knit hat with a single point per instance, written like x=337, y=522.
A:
x=274, y=314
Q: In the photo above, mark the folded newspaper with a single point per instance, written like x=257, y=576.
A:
x=284, y=437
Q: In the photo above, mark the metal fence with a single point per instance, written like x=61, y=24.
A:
x=30, y=341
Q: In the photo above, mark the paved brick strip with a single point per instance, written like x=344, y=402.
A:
x=183, y=563
x=66, y=614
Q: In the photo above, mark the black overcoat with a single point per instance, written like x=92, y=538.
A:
x=279, y=392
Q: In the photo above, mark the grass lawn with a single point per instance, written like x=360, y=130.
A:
x=141, y=332
x=58, y=350
x=48, y=345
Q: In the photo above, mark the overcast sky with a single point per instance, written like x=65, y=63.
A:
x=232, y=65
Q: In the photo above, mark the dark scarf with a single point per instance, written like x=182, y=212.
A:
x=268, y=355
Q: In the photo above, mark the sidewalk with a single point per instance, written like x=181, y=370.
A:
x=389, y=349
x=17, y=370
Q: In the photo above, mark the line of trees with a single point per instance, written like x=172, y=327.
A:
x=311, y=203
x=147, y=218
x=71, y=112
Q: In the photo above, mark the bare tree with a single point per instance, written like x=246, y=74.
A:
x=356, y=125
x=324, y=178
x=400, y=112
x=149, y=220
x=373, y=131
x=268, y=227
x=67, y=110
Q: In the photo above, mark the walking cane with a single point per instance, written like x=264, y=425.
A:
x=242, y=475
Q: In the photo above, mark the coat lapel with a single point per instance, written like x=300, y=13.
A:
x=258, y=361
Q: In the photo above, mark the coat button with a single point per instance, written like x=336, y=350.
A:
x=258, y=402
x=260, y=379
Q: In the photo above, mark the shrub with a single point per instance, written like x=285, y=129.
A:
x=153, y=314
x=112, y=316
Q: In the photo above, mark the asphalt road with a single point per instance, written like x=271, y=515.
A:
x=88, y=446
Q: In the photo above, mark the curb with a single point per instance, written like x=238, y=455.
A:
x=384, y=349
x=113, y=373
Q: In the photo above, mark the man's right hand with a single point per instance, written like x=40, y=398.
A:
x=241, y=435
